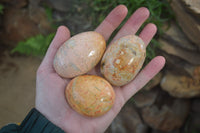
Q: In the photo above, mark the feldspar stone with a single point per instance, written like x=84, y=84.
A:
x=123, y=59
x=79, y=54
x=90, y=95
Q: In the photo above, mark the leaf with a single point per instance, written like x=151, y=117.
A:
x=1, y=8
x=35, y=46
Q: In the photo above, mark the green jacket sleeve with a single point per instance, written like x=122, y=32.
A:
x=34, y=122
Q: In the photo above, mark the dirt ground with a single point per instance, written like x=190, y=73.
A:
x=18, y=73
x=17, y=87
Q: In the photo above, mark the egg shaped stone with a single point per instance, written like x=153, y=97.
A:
x=123, y=60
x=90, y=95
x=79, y=54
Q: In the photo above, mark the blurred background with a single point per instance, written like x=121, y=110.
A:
x=169, y=103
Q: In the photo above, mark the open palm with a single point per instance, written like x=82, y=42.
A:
x=50, y=87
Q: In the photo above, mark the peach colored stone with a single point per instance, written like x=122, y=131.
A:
x=123, y=60
x=79, y=54
x=90, y=95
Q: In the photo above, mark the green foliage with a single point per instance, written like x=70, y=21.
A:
x=151, y=51
x=36, y=45
x=195, y=132
x=1, y=8
x=49, y=12
x=159, y=9
x=97, y=11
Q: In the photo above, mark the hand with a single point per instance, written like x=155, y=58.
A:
x=50, y=87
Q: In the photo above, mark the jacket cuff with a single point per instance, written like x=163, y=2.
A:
x=35, y=122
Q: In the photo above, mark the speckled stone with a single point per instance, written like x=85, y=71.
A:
x=123, y=60
x=90, y=95
x=79, y=54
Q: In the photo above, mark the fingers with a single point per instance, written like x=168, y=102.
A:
x=112, y=21
x=143, y=77
x=147, y=33
x=61, y=36
x=133, y=23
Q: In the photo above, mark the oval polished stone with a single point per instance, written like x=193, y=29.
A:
x=123, y=60
x=79, y=54
x=90, y=95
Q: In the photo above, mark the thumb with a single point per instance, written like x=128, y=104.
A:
x=62, y=35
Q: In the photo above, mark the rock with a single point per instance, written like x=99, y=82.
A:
x=166, y=114
x=145, y=98
x=20, y=24
x=194, y=119
x=193, y=123
x=188, y=55
x=154, y=82
x=78, y=22
x=38, y=17
x=15, y=3
x=117, y=126
x=60, y=5
x=128, y=121
x=76, y=18
x=174, y=131
x=21, y=29
x=193, y=6
x=196, y=105
x=108, y=130
x=34, y=3
x=175, y=36
x=188, y=24
x=182, y=86
x=178, y=65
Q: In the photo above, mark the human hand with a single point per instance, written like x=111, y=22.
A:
x=50, y=87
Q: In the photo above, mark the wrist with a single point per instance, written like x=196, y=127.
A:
x=36, y=122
